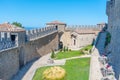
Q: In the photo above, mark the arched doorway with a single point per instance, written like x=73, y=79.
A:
x=60, y=45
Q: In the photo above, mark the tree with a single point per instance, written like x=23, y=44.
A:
x=17, y=24
x=52, y=54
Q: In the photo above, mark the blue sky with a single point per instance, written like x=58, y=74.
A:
x=35, y=13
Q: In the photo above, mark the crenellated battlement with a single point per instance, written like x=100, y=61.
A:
x=37, y=33
x=98, y=27
x=10, y=39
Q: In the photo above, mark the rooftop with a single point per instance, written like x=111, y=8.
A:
x=7, y=27
x=56, y=22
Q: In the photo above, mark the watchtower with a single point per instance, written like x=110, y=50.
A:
x=59, y=25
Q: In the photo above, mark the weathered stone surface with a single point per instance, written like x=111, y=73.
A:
x=9, y=63
x=12, y=59
x=113, y=12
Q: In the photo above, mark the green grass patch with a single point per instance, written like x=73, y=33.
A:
x=77, y=69
x=87, y=48
x=67, y=54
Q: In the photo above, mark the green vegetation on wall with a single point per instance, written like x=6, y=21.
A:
x=108, y=39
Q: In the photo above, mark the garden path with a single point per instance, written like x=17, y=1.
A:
x=43, y=61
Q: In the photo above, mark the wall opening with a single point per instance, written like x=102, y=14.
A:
x=13, y=38
x=74, y=42
x=60, y=45
x=56, y=27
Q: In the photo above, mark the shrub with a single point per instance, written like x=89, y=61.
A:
x=60, y=50
x=67, y=49
x=90, y=51
x=86, y=49
x=108, y=39
x=82, y=52
x=54, y=73
x=64, y=49
x=70, y=50
x=53, y=54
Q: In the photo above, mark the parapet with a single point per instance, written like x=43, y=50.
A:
x=84, y=27
x=37, y=33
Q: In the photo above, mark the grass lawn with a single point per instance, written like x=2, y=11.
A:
x=89, y=47
x=77, y=69
x=68, y=54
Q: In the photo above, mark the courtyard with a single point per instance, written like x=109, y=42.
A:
x=77, y=69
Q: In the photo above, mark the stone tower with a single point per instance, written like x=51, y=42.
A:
x=59, y=25
x=113, y=13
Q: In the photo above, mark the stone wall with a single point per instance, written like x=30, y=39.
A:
x=73, y=40
x=113, y=12
x=12, y=59
x=9, y=63
x=39, y=47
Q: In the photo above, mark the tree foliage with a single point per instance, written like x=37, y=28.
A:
x=17, y=24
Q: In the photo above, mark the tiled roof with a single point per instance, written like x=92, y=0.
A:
x=55, y=22
x=6, y=27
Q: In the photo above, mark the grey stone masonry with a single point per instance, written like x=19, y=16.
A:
x=93, y=27
x=113, y=13
x=5, y=41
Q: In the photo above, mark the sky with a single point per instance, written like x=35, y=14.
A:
x=35, y=13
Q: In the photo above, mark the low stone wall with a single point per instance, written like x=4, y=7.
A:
x=9, y=63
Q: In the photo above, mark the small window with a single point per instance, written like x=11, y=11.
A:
x=74, y=42
x=56, y=27
x=13, y=38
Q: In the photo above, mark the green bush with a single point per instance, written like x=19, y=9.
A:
x=90, y=51
x=60, y=50
x=82, y=52
x=64, y=49
x=86, y=49
x=108, y=39
x=70, y=50
x=53, y=54
x=67, y=49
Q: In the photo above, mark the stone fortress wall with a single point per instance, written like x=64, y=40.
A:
x=12, y=58
x=32, y=44
x=93, y=27
x=113, y=12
